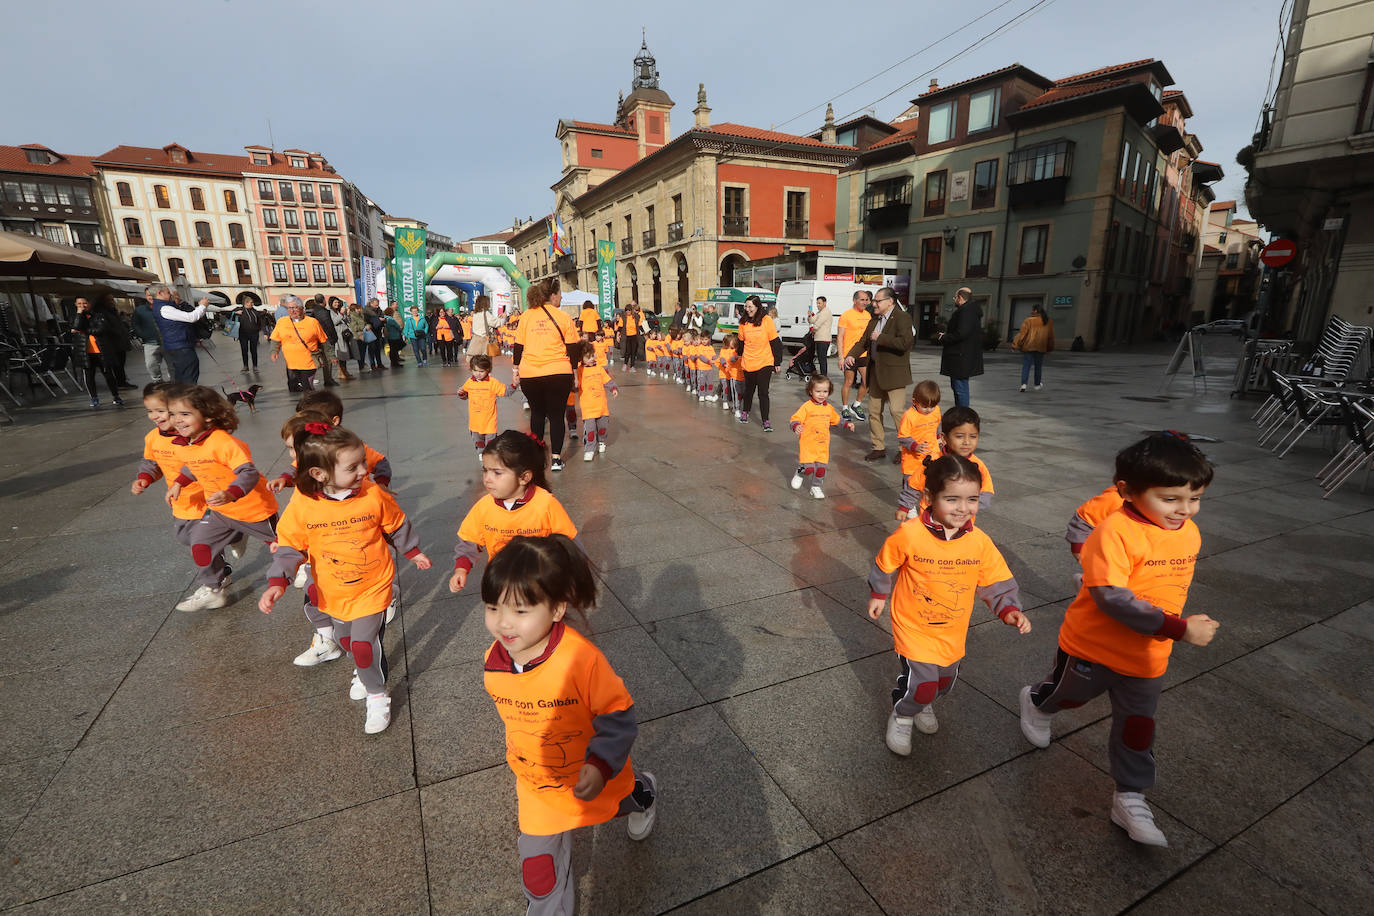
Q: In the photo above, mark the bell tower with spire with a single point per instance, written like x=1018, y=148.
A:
x=647, y=108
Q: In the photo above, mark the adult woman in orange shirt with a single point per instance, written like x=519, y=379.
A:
x=546, y=343
x=761, y=351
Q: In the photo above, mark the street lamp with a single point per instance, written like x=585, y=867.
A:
x=951, y=232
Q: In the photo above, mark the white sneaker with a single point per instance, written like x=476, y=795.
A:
x=302, y=576
x=235, y=550
x=817, y=493
x=899, y=734
x=796, y=481
x=1035, y=725
x=1038, y=387
x=356, y=690
x=1022, y=388
x=1131, y=813
x=322, y=649
x=204, y=598
x=601, y=446
x=726, y=406
x=713, y=398
x=390, y=612
x=926, y=723
x=525, y=406
x=587, y=456
x=639, y=824
x=378, y=714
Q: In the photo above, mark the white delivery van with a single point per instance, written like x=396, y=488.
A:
x=796, y=298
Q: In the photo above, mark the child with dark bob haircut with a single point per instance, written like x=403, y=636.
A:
x=570, y=722
x=1119, y=631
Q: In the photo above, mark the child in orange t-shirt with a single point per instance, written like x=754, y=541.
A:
x=238, y=503
x=706, y=367
x=812, y=423
x=517, y=502
x=959, y=432
x=731, y=375
x=161, y=459
x=570, y=722
x=346, y=526
x=592, y=382
x=1089, y=515
x=1118, y=632
x=482, y=392
x=933, y=569
x=919, y=432
x=331, y=406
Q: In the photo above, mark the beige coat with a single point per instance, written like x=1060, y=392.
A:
x=821, y=324
x=1035, y=336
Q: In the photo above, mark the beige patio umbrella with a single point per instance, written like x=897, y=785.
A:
x=24, y=255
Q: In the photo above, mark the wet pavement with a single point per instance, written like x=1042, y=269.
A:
x=156, y=761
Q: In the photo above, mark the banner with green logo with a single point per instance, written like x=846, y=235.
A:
x=410, y=269
x=605, y=277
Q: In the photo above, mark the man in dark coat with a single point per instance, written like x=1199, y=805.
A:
x=962, y=357
x=887, y=342
x=321, y=313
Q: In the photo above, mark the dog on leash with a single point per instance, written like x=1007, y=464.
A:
x=247, y=396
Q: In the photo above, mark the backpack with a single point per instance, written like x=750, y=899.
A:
x=204, y=328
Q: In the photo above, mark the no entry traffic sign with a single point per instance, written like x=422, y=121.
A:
x=1278, y=253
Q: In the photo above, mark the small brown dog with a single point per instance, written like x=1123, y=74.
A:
x=247, y=396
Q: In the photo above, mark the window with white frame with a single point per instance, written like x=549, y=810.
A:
x=982, y=109
x=940, y=121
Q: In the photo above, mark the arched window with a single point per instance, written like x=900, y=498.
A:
x=211, y=268
x=231, y=202
x=245, y=274
x=126, y=194
x=140, y=263
x=164, y=200
x=169, y=232
x=133, y=232
x=236, y=236
x=176, y=267
x=197, y=199
x=203, y=237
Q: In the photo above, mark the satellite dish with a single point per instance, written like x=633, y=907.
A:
x=1080, y=262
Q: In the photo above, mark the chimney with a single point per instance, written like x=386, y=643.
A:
x=828, y=131
x=702, y=111
x=934, y=84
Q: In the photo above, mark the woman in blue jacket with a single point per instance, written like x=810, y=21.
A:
x=417, y=332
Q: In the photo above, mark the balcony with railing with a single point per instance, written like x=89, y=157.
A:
x=675, y=231
x=649, y=238
x=887, y=203
x=626, y=246
x=736, y=225
x=1039, y=175
x=564, y=264
x=795, y=229
x=591, y=255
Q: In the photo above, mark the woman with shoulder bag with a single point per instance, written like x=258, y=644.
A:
x=1034, y=340
x=481, y=327
x=546, y=345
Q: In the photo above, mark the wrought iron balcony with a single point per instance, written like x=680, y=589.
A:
x=625, y=246
x=675, y=231
x=591, y=255
x=564, y=264
x=736, y=225
x=649, y=238
x=795, y=229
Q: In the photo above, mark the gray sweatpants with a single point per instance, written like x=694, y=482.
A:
x=319, y=620
x=1074, y=681
x=362, y=638
x=213, y=533
x=545, y=861
x=919, y=683
x=814, y=470
x=480, y=440
x=594, y=431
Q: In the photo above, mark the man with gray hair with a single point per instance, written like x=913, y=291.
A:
x=145, y=329
x=886, y=341
x=299, y=338
x=176, y=323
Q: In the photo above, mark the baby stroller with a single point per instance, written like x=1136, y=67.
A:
x=803, y=362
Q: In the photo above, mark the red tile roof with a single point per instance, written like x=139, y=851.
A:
x=1211, y=249
x=974, y=79
x=281, y=166
x=152, y=158
x=1223, y=205
x=906, y=132
x=1172, y=92
x=13, y=159
x=1060, y=92
x=495, y=236
x=1104, y=71
x=608, y=128
x=746, y=132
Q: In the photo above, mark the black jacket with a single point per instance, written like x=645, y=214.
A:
x=963, y=343
x=104, y=324
x=325, y=317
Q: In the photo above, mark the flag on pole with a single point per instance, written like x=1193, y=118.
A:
x=558, y=237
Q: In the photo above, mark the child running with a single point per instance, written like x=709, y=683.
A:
x=959, y=431
x=481, y=392
x=919, y=432
x=518, y=501
x=1089, y=515
x=592, y=382
x=812, y=423
x=570, y=722
x=331, y=405
x=238, y=503
x=346, y=525
x=161, y=458
x=1118, y=632
x=933, y=570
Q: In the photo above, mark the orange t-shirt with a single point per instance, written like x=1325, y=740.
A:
x=212, y=461
x=814, y=442
x=482, y=403
x=442, y=329
x=1100, y=506
x=729, y=365
x=602, y=347
x=159, y=448
x=344, y=539
x=630, y=323
x=550, y=715
x=1128, y=551
x=932, y=599
x=590, y=319
x=466, y=324
x=757, y=351
x=545, y=334
x=852, y=324
x=297, y=349
x=919, y=427
x=491, y=526
x=591, y=396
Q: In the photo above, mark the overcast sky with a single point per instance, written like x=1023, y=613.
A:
x=445, y=110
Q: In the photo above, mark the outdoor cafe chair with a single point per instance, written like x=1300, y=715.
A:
x=1316, y=409
x=1358, y=452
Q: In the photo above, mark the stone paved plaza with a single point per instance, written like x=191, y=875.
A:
x=155, y=761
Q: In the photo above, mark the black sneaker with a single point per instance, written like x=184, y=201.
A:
x=557, y=464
